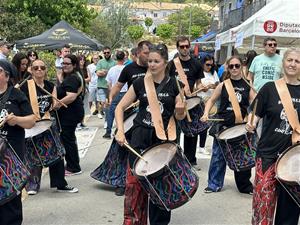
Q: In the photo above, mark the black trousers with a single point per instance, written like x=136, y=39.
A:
x=158, y=216
x=189, y=148
x=11, y=212
x=242, y=181
x=287, y=211
x=69, y=141
x=57, y=174
x=202, y=138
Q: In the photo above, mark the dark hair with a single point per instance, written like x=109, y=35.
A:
x=162, y=50
x=16, y=60
x=120, y=55
x=29, y=53
x=66, y=46
x=83, y=70
x=250, y=55
x=268, y=39
x=182, y=39
x=227, y=73
x=74, y=62
x=133, y=51
x=106, y=47
x=208, y=58
x=141, y=45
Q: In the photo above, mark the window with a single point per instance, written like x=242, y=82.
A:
x=155, y=14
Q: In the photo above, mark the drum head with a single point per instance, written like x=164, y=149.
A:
x=288, y=165
x=128, y=122
x=233, y=132
x=38, y=128
x=193, y=102
x=156, y=157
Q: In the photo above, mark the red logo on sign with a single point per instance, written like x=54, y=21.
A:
x=270, y=26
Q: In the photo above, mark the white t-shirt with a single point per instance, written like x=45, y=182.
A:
x=92, y=71
x=208, y=79
x=113, y=76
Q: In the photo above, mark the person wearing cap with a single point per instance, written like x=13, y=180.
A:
x=5, y=47
x=17, y=115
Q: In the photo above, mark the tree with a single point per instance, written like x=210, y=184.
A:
x=189, y=16
x=195, y=31
x=165, y=31
x=148, y=22
x=135, y=32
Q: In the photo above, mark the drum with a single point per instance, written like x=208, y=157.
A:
x=167, y=176
x=195, y=107
x=13, y=173
x=238, y=147
x=128, y=121
x=287, y=170
x=43, y=144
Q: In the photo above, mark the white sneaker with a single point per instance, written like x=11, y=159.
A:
x=32, y=192
x=204, y=151
x=100, y=116
x=105, y=125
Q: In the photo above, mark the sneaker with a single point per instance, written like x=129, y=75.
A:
x=95, y=112
x=210, y=190
x=69, y=173
x=32, y=192
x=120, y=191
x=82, y=125
x=100, y=116
x=195, y=166
x=105, y=125
x=204, y=151
x=107, y=136
x=68, y=189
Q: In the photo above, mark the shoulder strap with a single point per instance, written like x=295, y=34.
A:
x=33, y=98
x=182, y=76
x=234, y=102
x=81, y=81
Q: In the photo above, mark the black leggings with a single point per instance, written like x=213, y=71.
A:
x=202, y=138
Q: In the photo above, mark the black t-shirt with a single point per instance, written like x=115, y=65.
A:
x=18, y=104
x=166, y=99
x=225, y=111
x=192, y=69
x=75, y=112
x=131, y=72
x=276, y=130
x=44, y=99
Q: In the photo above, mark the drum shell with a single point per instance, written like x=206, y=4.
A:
x=164, y=178
x=240, y=151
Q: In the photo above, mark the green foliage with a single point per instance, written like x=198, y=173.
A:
x=189, y=16
x=165, y=31
x=135, y=32
x=148, y=22
x=49, y=59
x=196, y=31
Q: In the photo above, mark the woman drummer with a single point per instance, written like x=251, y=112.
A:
x=277, y=136
x=44, y=105
x=145, y=135
x=18, y=115
x=244, y=95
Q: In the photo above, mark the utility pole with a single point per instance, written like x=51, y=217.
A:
x=190, y=23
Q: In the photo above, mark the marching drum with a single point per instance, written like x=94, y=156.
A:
x=43, y=144
x=167, y=176
x=13, y=173
x=287, y=170
x=195, y=107
x=238, y=147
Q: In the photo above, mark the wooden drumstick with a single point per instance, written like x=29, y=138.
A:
x=250, y=85
x=182, y=99
x=195, y=92
x=215, y=119
x=253, y=112
x=135, y=152
x=23, y=82
x=63, y=104
x=133, y=105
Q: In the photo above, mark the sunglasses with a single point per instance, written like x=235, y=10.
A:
x=106, y=52
x=272, y=45
x=232, y=66
x=184, y=46
x=207, y=64
x=66, y=63
x=38, y=67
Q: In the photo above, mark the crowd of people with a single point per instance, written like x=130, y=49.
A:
x=250, y=107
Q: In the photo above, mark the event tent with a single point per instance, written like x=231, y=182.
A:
x=279, y=19
x=57, y=36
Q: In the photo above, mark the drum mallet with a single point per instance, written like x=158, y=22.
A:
x=182, y=99
x=249, y=84
x=135, y=104
x=135, y=152
x=23, y=82
x=215, y=119
x=253, y=112
x=63, y=104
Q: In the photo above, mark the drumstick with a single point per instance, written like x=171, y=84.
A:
x=23, y=82
x=182, y=99
x=249, y=84
x=214, y=119
x=133, y=105
x=135, y=152
x=64, y=105
x=195, y=92
x=253, y=112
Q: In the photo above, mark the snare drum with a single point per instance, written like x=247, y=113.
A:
x=287, y=170
x=238, y=147
x=13, y=173
x=43, y=144
x=195, y=107
x=168, y=176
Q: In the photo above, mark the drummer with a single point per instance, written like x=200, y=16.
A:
x=277, y=136
x=44, y=105
x=145, y=130
x=245, y=95
x=20, y=116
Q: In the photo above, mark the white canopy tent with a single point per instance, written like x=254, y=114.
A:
x=279, y=19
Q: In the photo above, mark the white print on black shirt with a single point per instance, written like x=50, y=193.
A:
x=284, y=125
x=239, y=99
x=138, y=75
x=148, y=119
x=3, y=114
x=43, y=102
